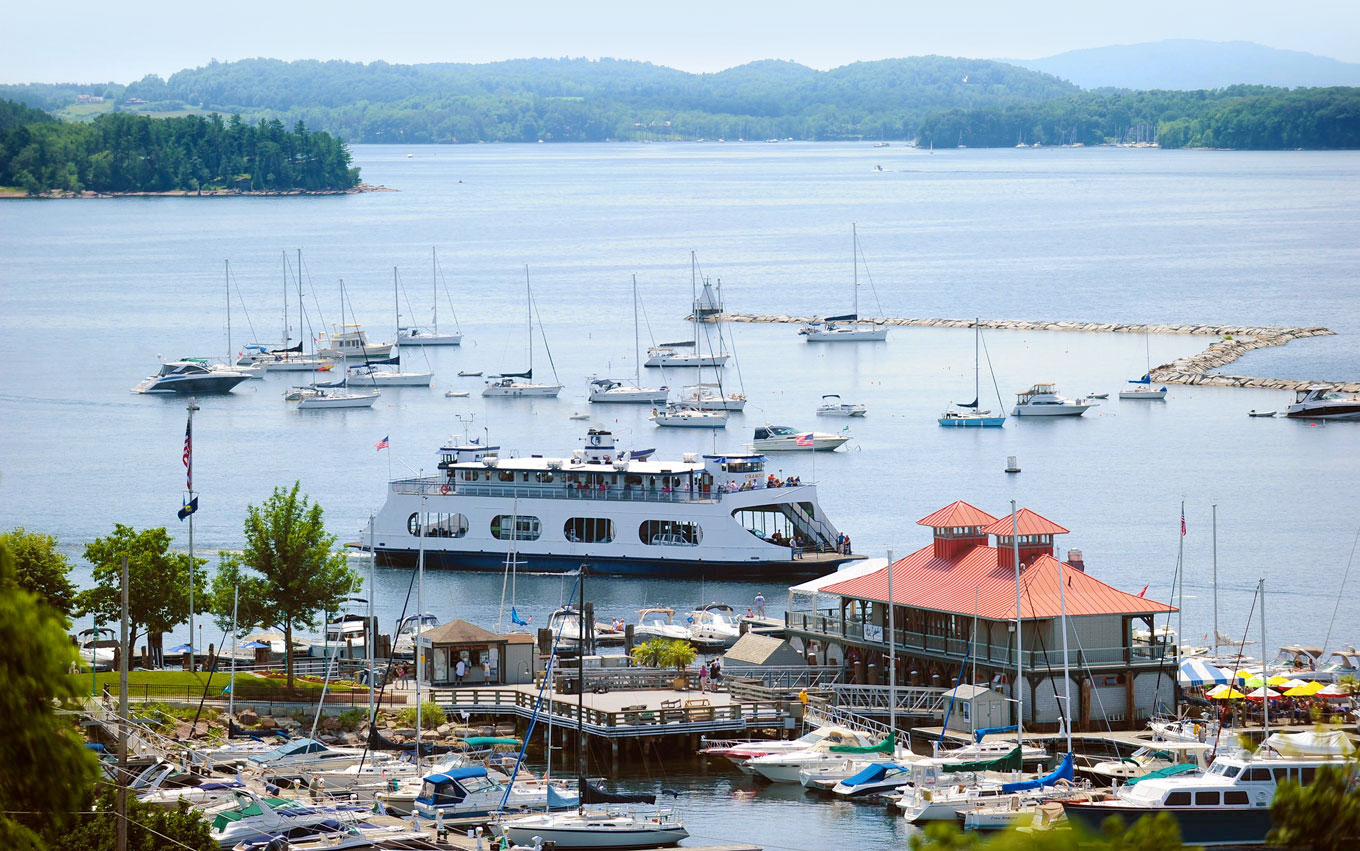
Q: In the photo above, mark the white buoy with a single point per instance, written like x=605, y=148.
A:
x=1011, y=466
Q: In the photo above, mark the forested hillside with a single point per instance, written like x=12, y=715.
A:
x=579, y=100
x=135, y=153
x=1245, y=117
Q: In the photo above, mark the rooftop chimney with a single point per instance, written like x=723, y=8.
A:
x=1074, y=558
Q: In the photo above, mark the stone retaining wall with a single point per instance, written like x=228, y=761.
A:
x=1233, y=342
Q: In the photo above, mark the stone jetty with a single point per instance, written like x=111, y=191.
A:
x=1232, y=342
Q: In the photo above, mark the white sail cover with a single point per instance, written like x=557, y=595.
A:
x=1312, y=743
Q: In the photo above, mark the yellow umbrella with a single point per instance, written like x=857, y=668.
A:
x=1305, y=690
x=1226, y=693
x=1277, y=680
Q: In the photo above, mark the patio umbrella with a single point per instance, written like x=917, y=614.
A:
x=253, y=645
x=1254, y=681
x=1263, y=693
x=1333, y=692
x=1288, y=684
x=179, y=648
x=1226, y=693
x=1277, y=680
x=1304, y=690
x=1197, y=672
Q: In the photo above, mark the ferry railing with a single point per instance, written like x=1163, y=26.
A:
x=434, y=487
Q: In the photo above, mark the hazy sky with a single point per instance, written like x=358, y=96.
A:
x=86, y=41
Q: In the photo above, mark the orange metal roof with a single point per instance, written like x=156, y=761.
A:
x=957, y=514
x=923, y=581
x=1029, y=524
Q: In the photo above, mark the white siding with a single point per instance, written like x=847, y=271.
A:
x=1147, y=694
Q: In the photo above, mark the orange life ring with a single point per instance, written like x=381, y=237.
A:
x=444, y=488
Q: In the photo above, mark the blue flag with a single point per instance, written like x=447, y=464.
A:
x=516, y=619
x=188, y=508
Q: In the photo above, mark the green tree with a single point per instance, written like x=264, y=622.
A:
x=288, y=572
x=1149, y=833
x=665, y=653
x=1323, y=816
x=158, y=582
x=149, y=827
x=40, y=568
x=34, y=741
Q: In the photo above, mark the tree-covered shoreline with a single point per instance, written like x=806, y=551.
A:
x=121, y=153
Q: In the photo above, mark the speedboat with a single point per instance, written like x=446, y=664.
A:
x=785, y=767
x=469, y=373
x=350, y=342
x=335, y=836
x=308, y=755
x=597, y=828
x=832, y=406
x=166, y=784
x=1255, y=413
x=680, y=416
x=739, y=752
x=470, y=791
x=1042, y=400
x=713, y=625
x=1144, y=761
x=191, y=376
x=615, y=390
x=711, y=397
x=659, y=623
x=256, y=818
x=1321, y=402
x=777, y=438
x=507, y=385
x=97, y=648
x=878, y=778
x=404, y=640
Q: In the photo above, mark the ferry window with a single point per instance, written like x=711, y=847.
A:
x=670, y=533
x=589, y=530
x=1206, y=799
x=1309, y=774
x=506, y=527
x=543, y=476
x=413, y=525
x=507, y=476
x=1235, y=798
x=1178, y=799
x=1257, y=775
x=447, y=525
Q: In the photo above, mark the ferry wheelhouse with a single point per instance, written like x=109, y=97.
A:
x=711, y=516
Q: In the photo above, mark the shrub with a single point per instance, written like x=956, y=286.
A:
x=351, y=718
x=431, y=716
x=665, y=653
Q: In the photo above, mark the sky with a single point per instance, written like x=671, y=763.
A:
x=99, y=42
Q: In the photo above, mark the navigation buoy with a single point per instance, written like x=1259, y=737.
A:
x=1011, y=466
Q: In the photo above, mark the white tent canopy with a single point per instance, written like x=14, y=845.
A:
x=1197, y=672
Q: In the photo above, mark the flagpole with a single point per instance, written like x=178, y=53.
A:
x=189, y=483
x=1180, y=600
x=231, y=687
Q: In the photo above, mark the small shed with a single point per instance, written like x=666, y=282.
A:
x=759, y=651
x=976, y=707
x=509, y=658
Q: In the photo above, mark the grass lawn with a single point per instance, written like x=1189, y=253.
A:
x=166, y=684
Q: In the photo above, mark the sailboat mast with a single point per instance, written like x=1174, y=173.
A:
x=1216, y=581
x=1180, y=584
x=529, y=318
x=637, y=351
x=1019, y=654
x=227, y=274
x=434, y=289
x=977, y=363
x=284, y=257
x=854, y=254
x=299, y=282
x=580, y=697
x=1067, y=674
x=396, y=303
x=1265, y=704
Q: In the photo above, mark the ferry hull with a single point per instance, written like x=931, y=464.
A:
x=652, y=568
x=1203, y=826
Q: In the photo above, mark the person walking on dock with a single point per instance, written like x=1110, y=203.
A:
x=703, y=678
x=760, y=605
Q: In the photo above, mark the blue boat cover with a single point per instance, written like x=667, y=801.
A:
x=556, y=801
x=979, y=734
x=1062, y=772
x=457, y=774
x=872, y=774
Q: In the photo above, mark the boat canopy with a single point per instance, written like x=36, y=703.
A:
x=489, y=741
x=888, y=745
x=872, y=774
x=979, y=735
x=556, y=801
x=592, y=794
x=463, y=773
x=1312, y=743
x=1170, y=771
x=1062, y=772
x=1010, y=762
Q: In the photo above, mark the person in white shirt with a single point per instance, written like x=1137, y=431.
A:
x=460, y=671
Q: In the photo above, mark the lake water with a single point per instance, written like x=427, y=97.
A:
x=91, y=292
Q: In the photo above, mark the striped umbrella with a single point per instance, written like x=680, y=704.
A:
x=1197, y=672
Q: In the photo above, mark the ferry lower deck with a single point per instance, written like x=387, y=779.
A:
x=809, y=565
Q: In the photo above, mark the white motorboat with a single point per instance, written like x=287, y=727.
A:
x=469, y=373
x=616, y=390
x=97, y=648
x=679, y=416
x=404, y=638
x=432, y=336
x=1255, y=413
x=337, y=836
x=832, y=406
x=992, y=749
x=308, y=755
x=711, y=397
x=777, y=438
x=565, y=624
x=823, y=777
x=597, y=828
x=1145, y=761
x=713, y=625
x=165, y=784
x=470, y=791
x=316, y=398
x=1321, y=402
x=873, y=779
x=457, y=394
x=785, y=767
x=191, y=376
x=349, y=342
x=255, y=818
x=739, y=752
x=934, y=794
x=659, y=623
x=522, y=383
x=1042, y=400
x=847, y=328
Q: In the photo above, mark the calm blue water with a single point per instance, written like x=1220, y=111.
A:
x=91, y=292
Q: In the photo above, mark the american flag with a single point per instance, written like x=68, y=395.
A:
x=382, y=444
x=188, y=456
x=803, y=440
x=1182, y=522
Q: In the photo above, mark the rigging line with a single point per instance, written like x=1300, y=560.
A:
x=867, y=274
x=1095, y=692
x=533, y=303
x=1339, y=592
x=320, y=315
x=1048, y=665
x=447, y=295
x=1000, y=405
x=1238, y=665
x=391, y=662
x=401, y=285
x=242, y=301
x=1176, y=581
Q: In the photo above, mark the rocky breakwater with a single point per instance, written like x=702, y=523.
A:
x=1232, y=342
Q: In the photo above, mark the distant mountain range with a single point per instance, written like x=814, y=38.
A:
x=1188, y=64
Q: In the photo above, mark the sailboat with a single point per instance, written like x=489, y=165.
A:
x=416, y=336
x=522, y=383
x=680, y=354
x=286, y=358
x=337, y=395
x=369, y=375
x=847, y=328
x=615, y=390
x=1142, y=387
x=969, y=414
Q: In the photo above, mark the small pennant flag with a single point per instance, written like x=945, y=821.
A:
x=382, y=444
x=1144, y=591
x=188, y=508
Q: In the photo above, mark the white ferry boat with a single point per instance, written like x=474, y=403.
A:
x=608, y=512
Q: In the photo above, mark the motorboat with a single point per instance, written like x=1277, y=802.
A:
x=578, y=415
x=337, y=836
x=404, y=638
x=165, y=784
x=565, y=624
x=519, y=385
x=1255, y=413
x=832, y=406
x=991, y=749
x=1042, y=400
x=97, y=648
x=1145, y=761
x=1230, y=804
x=683, y=416
x=349, y=342
x=456, y=394
x=659, y=623
x=879, y=778
x=713, y=625
x=739, y=752
x=1020, y=800
x=471, y=791
x=469, y=373
x=1321, y=402
x=849, y=327
x=1097, y=395
x=616, y=390
x=191, y=376
x=785, y=767
x=1185, y=730
x=316, y=397
x=256, y=818
x=971, y=414
x=711, y=397
x=824, y=776
x=938, y=793
x=308, y=755
x=597, y=828
x=778, y=438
